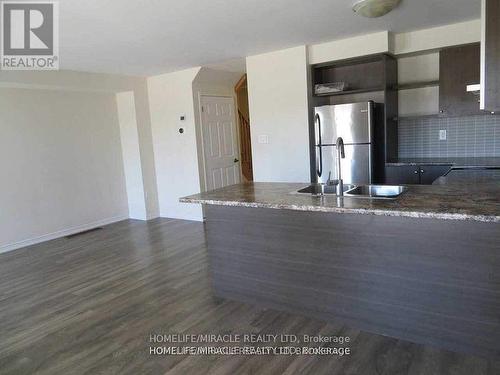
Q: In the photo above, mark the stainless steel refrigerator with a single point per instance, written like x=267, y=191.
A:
x=354, y=123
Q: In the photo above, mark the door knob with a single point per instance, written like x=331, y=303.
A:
x=236, y=160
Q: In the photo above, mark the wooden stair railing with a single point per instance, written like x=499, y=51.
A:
x=246, y=147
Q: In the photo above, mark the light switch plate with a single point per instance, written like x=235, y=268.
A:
x=263, y=138
x=442, y=135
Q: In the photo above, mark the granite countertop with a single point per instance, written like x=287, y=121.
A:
x=471, y=177
x=458, y=197
x=455, y=162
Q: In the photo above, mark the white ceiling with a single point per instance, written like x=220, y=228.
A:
x=156, y=36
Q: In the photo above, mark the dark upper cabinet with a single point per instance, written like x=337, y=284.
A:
x=490, y=44
x=414, y=174
x=459, y=67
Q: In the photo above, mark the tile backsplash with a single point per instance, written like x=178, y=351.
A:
x=473, y=136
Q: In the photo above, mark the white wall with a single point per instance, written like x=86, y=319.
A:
x=176, y=156
x=277, y=94
x=61, y=164
x=436, y=37
x=131, y=155
x=68, y=81
x=351, y=47
x=397, y=43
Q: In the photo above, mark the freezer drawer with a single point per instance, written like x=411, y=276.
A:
x=353, y=122
x=356, y=167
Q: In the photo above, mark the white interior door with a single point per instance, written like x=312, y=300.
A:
x=220, y=142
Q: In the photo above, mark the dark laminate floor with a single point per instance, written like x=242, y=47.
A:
x=87, y=305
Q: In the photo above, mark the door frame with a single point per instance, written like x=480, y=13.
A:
x=202, y=133
x=237, y=94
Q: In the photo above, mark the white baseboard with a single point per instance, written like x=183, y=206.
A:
x=60, y=233
x=183, y=217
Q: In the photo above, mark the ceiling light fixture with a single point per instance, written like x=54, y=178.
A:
x=375, y=8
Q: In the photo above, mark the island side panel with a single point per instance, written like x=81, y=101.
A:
x=425, y=280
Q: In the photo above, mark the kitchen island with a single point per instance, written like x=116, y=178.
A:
x=422, y=267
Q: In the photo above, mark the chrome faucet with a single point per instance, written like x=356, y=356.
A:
x=340, y=155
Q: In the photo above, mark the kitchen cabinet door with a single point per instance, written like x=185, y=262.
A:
x=429, y=173
x=459, y=67
x=402, y=175
x=490, y=81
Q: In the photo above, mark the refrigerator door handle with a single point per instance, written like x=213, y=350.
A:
x=319, y=161
x=317, y=123
x=319, y=151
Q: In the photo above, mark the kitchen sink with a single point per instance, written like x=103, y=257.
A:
x=361, y=191
x=376, y=191
x=320, y=189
